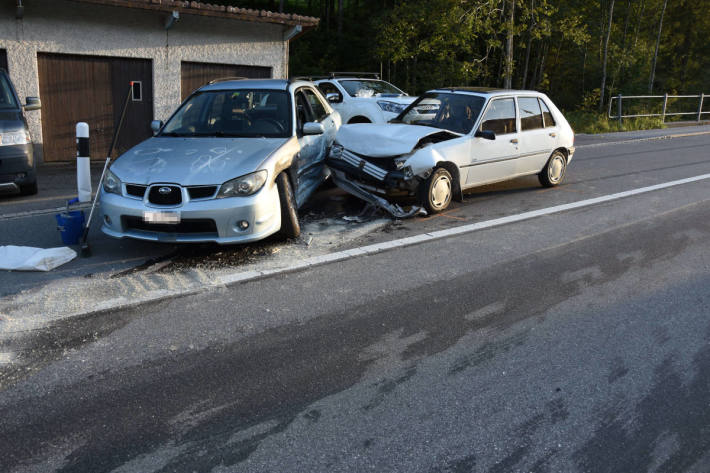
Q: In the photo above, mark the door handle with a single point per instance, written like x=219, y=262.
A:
x=514, y=141
x=553, y=134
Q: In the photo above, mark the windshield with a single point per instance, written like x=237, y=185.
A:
x=7, y=98
x=233, y=113
x=369, y=88
x=454, y=112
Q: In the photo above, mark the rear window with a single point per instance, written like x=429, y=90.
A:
x=549, y=121
x=7, y=97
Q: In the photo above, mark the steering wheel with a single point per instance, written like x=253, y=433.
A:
x=275, y=124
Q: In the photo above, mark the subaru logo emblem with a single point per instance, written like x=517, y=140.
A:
x=165, y=190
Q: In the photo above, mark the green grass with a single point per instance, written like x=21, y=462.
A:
x=591, y=122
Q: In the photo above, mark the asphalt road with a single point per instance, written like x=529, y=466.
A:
x=573, y=342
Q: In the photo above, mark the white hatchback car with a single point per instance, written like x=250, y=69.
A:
x=469, y=137
x=363, y=98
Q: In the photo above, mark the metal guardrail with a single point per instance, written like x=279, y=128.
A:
x=698, y=113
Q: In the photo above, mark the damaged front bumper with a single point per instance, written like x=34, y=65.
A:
x=357, y=176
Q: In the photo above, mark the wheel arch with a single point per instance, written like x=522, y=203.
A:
x=455, y=176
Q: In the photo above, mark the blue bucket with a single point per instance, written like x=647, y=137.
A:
x=70, y=225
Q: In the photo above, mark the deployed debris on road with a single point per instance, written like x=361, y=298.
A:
x=27, y=258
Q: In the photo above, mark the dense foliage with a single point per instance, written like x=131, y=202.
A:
x=558, y=46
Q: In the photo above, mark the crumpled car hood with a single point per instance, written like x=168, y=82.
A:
x=193, y=161
x=379, y=141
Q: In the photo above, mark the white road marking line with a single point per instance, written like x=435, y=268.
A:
x=246, y=276
x=34, y=213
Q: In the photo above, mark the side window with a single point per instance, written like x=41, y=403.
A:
x=547, y=116
x=303, y=112
x=530, y=114
x=317, y=107
x=329, y=88
x=500, y=117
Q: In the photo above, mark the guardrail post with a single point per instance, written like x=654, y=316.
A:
x=618, y=109
x=700, y=106
x=665, y=105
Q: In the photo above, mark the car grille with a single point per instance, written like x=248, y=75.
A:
x=367, y=167
x=135, y=190
x=185, y=226
x=173, y=197
x=201, y=192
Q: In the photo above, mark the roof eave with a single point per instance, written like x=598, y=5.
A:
x=215, y=11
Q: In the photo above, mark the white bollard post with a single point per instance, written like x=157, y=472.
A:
x=83, y=168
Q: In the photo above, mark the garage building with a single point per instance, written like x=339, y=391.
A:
x=79, y=57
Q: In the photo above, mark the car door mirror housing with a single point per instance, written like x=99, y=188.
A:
x=485, y=134
x=333, y=98
x=156, y=125
x=33, y=103
x=313, y=128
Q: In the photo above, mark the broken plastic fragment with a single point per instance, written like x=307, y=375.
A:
x=394, y=209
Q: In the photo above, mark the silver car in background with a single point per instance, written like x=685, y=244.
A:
x=232, y=165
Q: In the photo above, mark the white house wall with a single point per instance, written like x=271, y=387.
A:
x=59, y=26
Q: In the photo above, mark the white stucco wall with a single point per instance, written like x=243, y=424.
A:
x=60, y=26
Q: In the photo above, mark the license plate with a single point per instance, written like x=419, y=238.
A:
x=161, y=217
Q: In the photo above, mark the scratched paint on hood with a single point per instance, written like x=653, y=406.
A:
x=193, y=161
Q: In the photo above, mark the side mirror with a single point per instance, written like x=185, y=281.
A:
x=313, y=128
x=156, y=125
x=33, y=103
x=333, y=98
x=485, y=134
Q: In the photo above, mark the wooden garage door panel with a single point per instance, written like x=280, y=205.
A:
x=3, y=59
x=196, y=74
x=74, y=89
x=92, y=89
x=136, y=125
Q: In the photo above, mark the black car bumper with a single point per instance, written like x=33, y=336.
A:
x=17, y=167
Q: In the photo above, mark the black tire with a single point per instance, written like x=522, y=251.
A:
x=29, y=189
x=554, y=171
x=436, y=192
x=290, y=228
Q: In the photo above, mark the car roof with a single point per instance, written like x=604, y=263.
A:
x=229, y=84
x=486, y=91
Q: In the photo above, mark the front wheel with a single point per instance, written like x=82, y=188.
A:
x=554, y=171
x=435, y=193
x=290, y=228
x=29, y=189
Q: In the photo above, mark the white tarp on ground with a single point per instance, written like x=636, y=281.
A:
x=26, y=258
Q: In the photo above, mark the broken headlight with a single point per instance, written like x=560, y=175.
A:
x=244, y=185
x=112, y=184
x=391, y=107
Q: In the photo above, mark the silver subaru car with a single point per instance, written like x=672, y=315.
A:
x=232, y=165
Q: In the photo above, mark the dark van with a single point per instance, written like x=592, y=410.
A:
x=18, y=172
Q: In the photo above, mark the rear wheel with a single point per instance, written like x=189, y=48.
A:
x=435, y=193
x=29, y=189
x=290, y=228
x=554, y=171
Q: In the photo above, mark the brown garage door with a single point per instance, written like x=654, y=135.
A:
x=92, y=89
x=197, y=74
x=3, y=59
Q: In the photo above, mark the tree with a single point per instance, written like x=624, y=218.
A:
x=606, y=52
x=655, y=54
x=509, y=48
